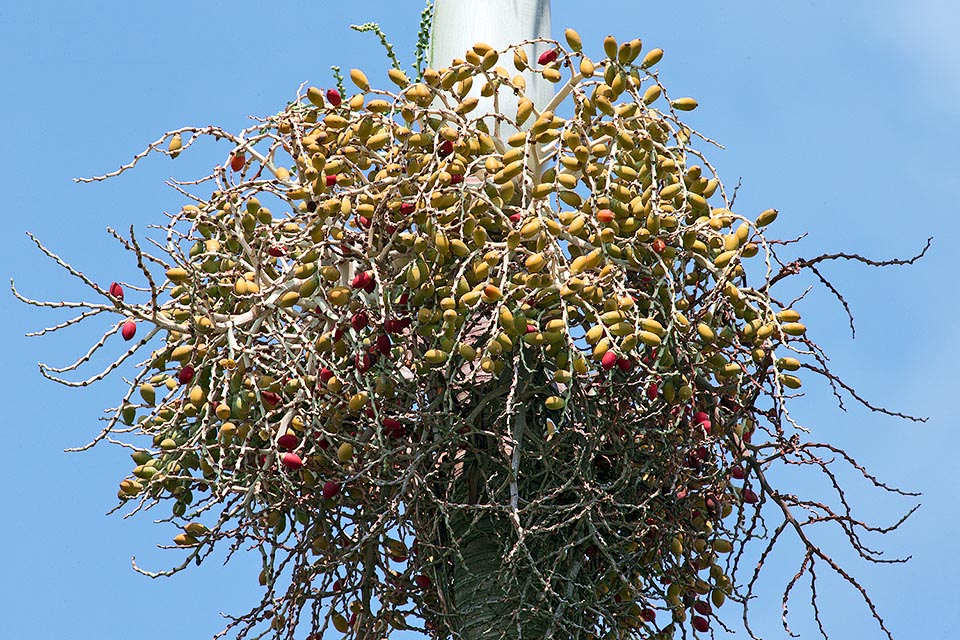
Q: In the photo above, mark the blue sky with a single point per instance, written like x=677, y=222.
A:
x=841, y=115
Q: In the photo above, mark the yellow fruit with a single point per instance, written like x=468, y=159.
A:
x=398, y=77
x=573, y=39
x=791, y=382
x=722, y=546
x=175, y=144
x=653, y=57
x=184, y=540
x=649, y=338
x=649, y=324
x=555, y=403
x=315, y=96
x=148, y=393
x=587, y=68
x=345, y=452
x=340, y=623
x=684, y=104
x=766, y=217
x=788, y=315
x=794, y=328
x=610, y=47
x=288, y=299
x=435, y=356
x=177, y=274
x=359, y=401
x=652, y=94
x=706, y=332
x=788, y=364
x=359, y=79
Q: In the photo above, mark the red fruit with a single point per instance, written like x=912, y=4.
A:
x=330, y=489
x=338, y=585
x=363, y=362
x=702, y=607
x=337, y=334
x=128, y=330
x=276, y=252
x=547, y=57
x=287, y=441
x=237, y=161
x=446, y=148
x=605, y=215
x=331, y=180
x=116, y=291
x=361, y=280
x=393, y=428
x=291, y=461
x=625, y=364
x=738, y=473
x=359, y=320
x=364, y=222
x=390, y=326
x=406, y=208
x=652, y=391
x=333, y=97
x=749, y=497
x=423, y=581
x=515, y=218
x=185, y=375
x=609, y=360
x=323, y=444
x=700, y=624
x=648, y=615
x=270, y=398
x=383, y=344
x=659, y=245
x=703, y=420
x=456, y=178
x=325, y=375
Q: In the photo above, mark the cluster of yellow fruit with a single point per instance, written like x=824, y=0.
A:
x=419, y=256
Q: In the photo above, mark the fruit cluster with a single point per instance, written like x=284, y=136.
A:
x=396, y=326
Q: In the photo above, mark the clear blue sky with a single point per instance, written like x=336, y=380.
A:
x=843, y=115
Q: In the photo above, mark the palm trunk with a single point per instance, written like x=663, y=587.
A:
x=484, y=607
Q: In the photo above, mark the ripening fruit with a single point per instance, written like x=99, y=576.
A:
x=423, y=581
x=174, y=146
x=333, y=97
x=116, y=291
x=547, y=57
x=700, y=624
x=185, y=375
x=128, y=330
x=237, y=161
x=330, y=489
x=292, y=461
